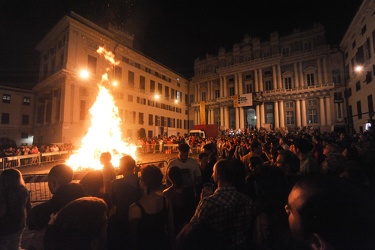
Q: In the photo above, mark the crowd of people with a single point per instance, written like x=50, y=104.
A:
x=257, y=190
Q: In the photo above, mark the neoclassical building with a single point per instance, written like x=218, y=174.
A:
x=289, y=82
x=358, y=50
x=64, y=98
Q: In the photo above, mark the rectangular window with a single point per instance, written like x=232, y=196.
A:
x=134, y=116
x=140, y=118
x=24, y=135
x=311, y=102
x=312, y=116
x=363, y=31
x=61, y=60
x=26, y=100
x=5, y=118
x=336, y=76
x=179, y=96
x=118, y=73
x=173, y=93
x=166, y=90
x=357, y=86
x=150, y=119
x=130, y=98
x=310, y=79
x=131, y=79
x=288, y=82
x=289, y=117
x=217, y=93
x=160, y=88
x=142, y=83
x=25, y=120
x=152, y=86
x=231, y=91
x=359, y=110
x=82, y=110
x=268, y=85
x=191, y=98
x=157, y=120
x=6, y=98
x=370, y=105
x=249, y=88
x=91, y=64
x=203, y=96
x=289, y=104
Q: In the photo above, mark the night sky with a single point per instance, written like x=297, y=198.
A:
x=173, y=32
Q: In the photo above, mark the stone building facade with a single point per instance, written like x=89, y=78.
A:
x=293, y=81
x=358, y=50
x=64, y=98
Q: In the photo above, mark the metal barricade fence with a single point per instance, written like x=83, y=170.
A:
x=38, y=184
x=32, y=159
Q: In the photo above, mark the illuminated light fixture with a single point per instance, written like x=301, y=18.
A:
x=176, y=101
x=115, y=83
x=157, y=96
x=358, y=68
x=84, y=74
x=255, y=117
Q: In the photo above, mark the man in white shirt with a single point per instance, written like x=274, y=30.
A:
x=189, y=166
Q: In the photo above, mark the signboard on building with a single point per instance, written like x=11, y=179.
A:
x=243, y=100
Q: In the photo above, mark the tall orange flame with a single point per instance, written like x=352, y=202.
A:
x=105, y=134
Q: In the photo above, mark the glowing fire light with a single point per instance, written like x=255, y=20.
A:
x=105, y=134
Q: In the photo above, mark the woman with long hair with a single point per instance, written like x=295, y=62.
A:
x=151, y=218
x=14, y=203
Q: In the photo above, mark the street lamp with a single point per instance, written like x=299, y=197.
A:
x=84, y=74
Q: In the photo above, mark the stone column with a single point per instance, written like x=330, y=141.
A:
x=237, y=118
x=328, y=107
x=225, y=86
x=197, y=97
x=242, y=118
x=301, y=81
x=221, y=86
x=298, y=113
x=325, y=76
x=282, y=117
x=222, y=120
x=295, y=78
x=262, y=115
x=196, y=119
x=240, y=84
x=260, y=80
x=212, y=116
x=322, y=112
x=235, y=84
x=303, y=111
x=256, y=81
x=226, y=117
x=276, y=114
x=319, y=72
x=257, y=114
x=274, y=77
x=280, y=78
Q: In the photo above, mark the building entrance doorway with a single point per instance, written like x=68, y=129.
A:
x=251, y=121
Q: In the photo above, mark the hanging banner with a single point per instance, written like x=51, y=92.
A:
x=243, y=100
x=202, y=112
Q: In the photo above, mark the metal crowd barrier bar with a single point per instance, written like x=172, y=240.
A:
x=38, y=184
